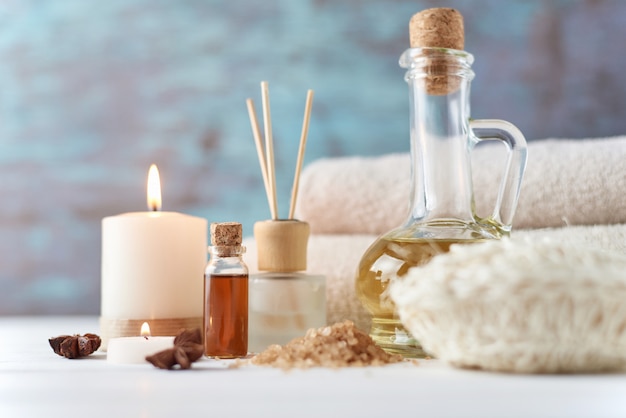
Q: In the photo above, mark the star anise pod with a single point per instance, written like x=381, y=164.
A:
x=75, y=346
x=187, y=349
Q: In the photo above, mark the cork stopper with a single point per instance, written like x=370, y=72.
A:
x=226, y=234
x=437, y=28
x=281, y=245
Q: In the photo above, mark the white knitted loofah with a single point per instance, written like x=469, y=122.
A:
x=519, y=306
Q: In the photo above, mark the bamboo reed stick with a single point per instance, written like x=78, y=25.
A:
x=258, y=140
x=303, y=138
x=269, y=148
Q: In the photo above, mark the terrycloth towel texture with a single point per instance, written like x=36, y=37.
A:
x=337, y=257
x=534, y=306
x=567, y=182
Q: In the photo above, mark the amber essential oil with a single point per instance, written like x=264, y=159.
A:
x=226, y=319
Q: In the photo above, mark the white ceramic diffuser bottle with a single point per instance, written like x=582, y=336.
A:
x=284, y=302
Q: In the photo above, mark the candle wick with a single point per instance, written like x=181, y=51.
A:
x=145, y=336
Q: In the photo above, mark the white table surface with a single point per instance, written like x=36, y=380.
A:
x=35, y=382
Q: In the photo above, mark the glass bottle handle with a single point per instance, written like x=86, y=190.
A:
x=494, y=129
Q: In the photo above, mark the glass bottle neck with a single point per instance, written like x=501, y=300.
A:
x=439, y=85
x=226, y=251
x=226, y=261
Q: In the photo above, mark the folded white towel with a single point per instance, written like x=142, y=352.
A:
x=567, y=182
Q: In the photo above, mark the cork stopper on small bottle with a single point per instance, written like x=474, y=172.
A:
x=226, y=234
x=437, y=28
x=281, y=245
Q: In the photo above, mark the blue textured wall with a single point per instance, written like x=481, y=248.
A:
x=92, y=92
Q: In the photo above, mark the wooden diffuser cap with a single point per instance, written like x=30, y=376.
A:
x=437, y=28
x=281, y=245
x=226, y=234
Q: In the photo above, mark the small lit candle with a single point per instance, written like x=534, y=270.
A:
x=133, y=350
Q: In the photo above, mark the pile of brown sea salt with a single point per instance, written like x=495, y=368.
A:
x=338, y=345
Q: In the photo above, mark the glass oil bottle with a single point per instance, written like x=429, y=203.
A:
x=226, y=294
x=284, y=301
x=442, y=200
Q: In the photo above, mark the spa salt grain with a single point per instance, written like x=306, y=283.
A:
x=338, y=345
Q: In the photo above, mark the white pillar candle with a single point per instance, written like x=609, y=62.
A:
x=133, y=350
x=153, y=265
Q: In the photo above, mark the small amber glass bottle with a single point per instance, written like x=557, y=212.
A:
x=226, y=294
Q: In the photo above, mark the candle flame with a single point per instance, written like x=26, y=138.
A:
x=154, y=189
x=145, y=330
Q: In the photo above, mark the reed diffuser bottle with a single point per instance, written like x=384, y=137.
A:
x=284, y=301
x=226, y=294
x=442, y=200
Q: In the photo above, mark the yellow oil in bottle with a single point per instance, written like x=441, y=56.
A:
x=386, y=259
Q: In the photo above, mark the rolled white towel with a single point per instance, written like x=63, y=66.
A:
x=567, y=182
x=526, y=306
